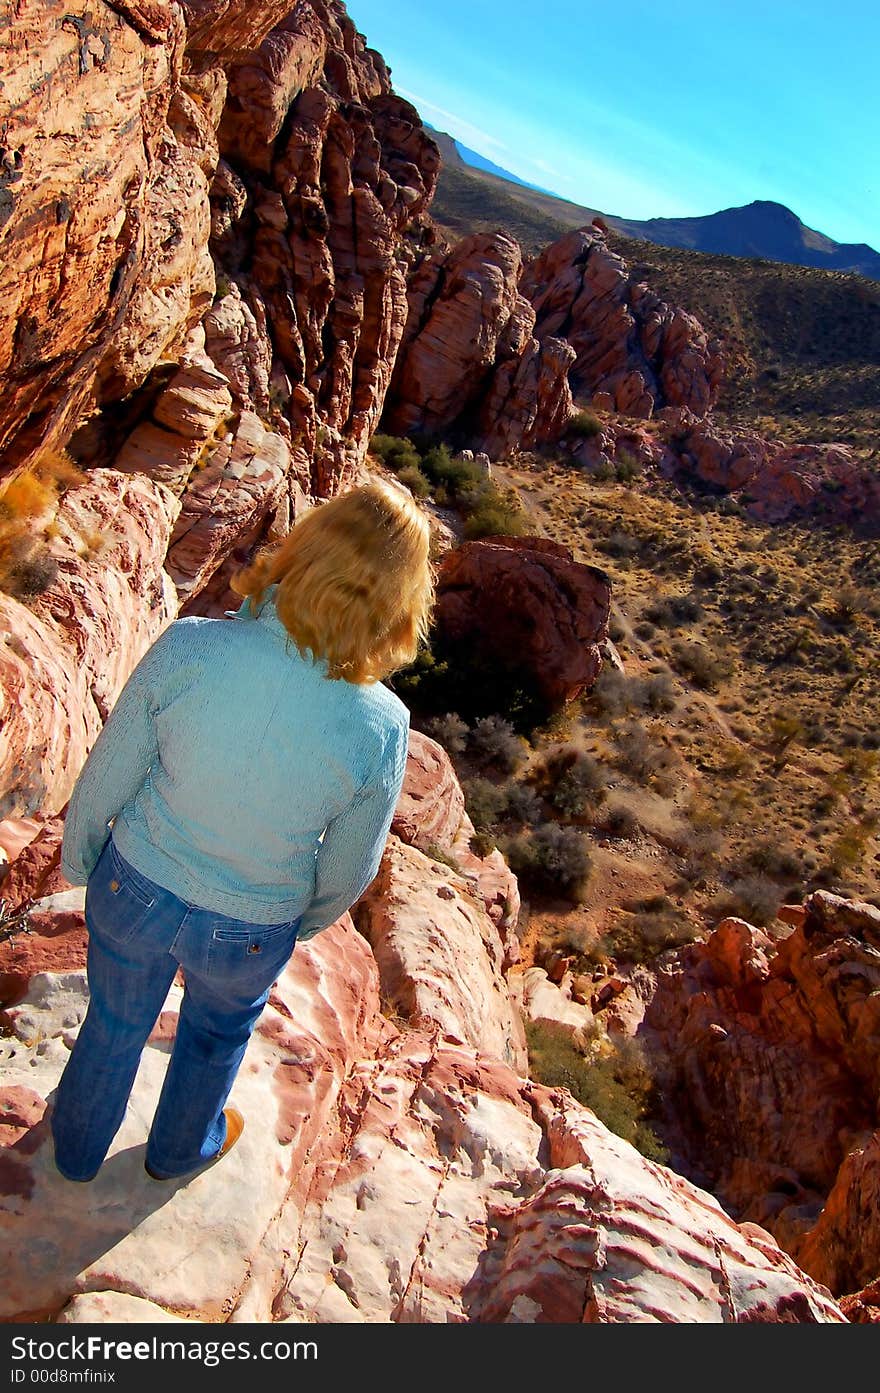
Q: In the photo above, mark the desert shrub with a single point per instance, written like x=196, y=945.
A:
x=619, y=545
x=457, y=474
x=465, y=678
x=627, y=466
x=450, y=731
x=618, y=1086
x=494, y=516
x=483, y=842
x=486, y=802
x=551, y=858
x=644, y=629
x=439, y=853
x=673, y=611
x=494, y=741
x=415, y=480
x=751, y=897
x=25, y=499
x=32, y=575
x=640, y=756
x=659, y=692
x=523, y=803
x=705, y=668
x=584, y=425
x=620, y=821
x=580, y=787
x=396, y=452
x=773, y=858
x=642, y=935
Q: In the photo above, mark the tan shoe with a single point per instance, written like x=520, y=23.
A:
x=234, y=1129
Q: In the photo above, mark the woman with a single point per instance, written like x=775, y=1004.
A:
x=250, y=769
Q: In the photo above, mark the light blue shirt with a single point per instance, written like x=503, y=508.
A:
x=241, y=777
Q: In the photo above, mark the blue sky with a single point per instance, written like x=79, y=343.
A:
x=655, y=108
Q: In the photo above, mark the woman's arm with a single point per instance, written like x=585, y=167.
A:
x=116, y=767
x=352, y=846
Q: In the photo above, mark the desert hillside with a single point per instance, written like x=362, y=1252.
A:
x=618, y=971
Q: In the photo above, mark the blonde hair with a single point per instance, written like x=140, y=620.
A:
x=355, y=581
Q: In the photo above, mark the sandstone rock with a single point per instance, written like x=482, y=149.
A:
x=777, y=482
x=65, y=656
x=632, y=351
x=465, y=317
x=76, y=248
x=528, y=403
x=525, y=602
x=772, y=1060
x=235, y=491
x=430, y=809
x=331, y=193
x=440, y=964
x=431, y=815
x=540, y=999
x=382, y=1176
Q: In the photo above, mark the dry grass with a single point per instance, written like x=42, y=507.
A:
x=761, y=783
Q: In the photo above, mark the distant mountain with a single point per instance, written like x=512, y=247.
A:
x=761, y=229
x=475, y=191
x=452, y=150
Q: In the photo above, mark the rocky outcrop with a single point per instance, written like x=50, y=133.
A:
x=777, y=482
x=112, y=342
x=443, y=969
x=90, y=183
x=65, y=655
x=469, y=359
x=633, y=352
x=525, y=603
x=772, y=1068
x=384, y=1174
x=324, y=171
x=431, y=815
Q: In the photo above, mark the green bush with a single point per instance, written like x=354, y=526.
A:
x=494, y=517
x=584, y=425
x=494, y=741
x=396, y=452
x=464, y=678
x=641, y=936
x=754, y=898
x=552, y=859
x=450, y=731
x=705, y=668
x=579, y=786
x=618, y=1087
x=415, y=480
x=486, y=802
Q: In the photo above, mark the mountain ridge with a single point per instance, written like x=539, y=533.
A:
x=763, y=229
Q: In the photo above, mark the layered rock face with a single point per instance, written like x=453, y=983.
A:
x=386, y=1173
x=772, y=1076
x=469, y=358
x=66, y=655
x=324, y=169
x=633, y=352
x=526, y=599
x=103, y=208
x=263, y=139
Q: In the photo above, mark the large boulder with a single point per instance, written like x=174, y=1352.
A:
x=633, y=352
x=526, y=604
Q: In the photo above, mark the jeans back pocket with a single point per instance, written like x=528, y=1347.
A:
x=249, y=956
x=118, y=900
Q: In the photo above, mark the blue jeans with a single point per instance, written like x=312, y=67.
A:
x=139, y=933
